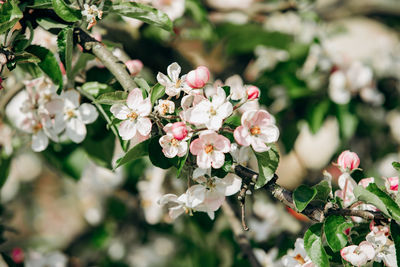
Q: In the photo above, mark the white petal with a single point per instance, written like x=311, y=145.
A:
x=135, y=98
x=173, y=71
x=163, y=79
x=71, y=98
x=232, y=183
x=143, y=126
x=75, y=130
x=167, y=198
x=144, y=108
x=269, y=134
x=175, y=212
x=120, y=111
x=217, y=159
x=88, y=113
x=39, y=141
x=214, y=123
x=127, y=129
x=225, y=110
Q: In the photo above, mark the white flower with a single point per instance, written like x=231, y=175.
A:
x=134, y=115
x=173, y=8
x=173, y=84
x=76, y=116
x=238, y=90
x=53, y=259
x=358, y=255
x=91, y=12
x=347, y=184
x=298, y=257
x=211, y=113
x=174, y=143
x=165, y=107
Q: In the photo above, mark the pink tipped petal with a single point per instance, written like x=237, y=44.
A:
x=262, y=118
x=196, y=147
x=269, y=134
x=182, y=149
x=163, y=79
x=135, y=98
x=242, y=136
x=258, y=145
x=222, y=144
x=127, y=129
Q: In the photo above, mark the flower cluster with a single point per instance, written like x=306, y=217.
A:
x=91, y=12
x=47, y=115
x=192, y=116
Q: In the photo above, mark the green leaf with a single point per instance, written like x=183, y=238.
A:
x=83, y=59
x=373, y=195
x=395, y=233
x=267, y=164
x=138, y=151
x=334, y=227
x=157, y=92
x=5, y=164
x=25, y=57
x=65, y=12
x=142, y=84
x=48, y=64
x=95, y=88
x=112, y=98
x=324, y=190
x=317, y=115
x=347, y=121
x=65, y=48
x=156, y=155
x=142, y=12
x=47, y=23
x=302, y=196
x=396, y=165
x=313, y=246
x=41, y=4
x=10, y=14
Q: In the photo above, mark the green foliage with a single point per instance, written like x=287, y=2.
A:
x=348, y=121
x=48, y=64
x=65, y=48
x=395, y=233
x=396, y=165
x=10, y=14
x=112, y=98
x=142, y=84
x=142, y=12
x=138, y=151
x=334, y=227
x=157, y=92
x=156, y=155
x=65, y=12
x=95, y=88
x=317, y=115
x=267, y=164
x=324, y=190
x=302, y=196
x=40, y=4
x=314, y=246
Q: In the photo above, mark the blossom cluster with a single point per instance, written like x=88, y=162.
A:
x=47, y=115
x=192, y=116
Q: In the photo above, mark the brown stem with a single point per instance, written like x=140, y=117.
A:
x=240, y=236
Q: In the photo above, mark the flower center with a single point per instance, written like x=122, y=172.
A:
x=70, y=113
x=299, y=259
x=210, y=184
x=164, y=109
x=178, y=83
x=208, y=149
x=47, y=97
x=174, y=142
x=36, y=128
x=132, y=115
x=213, y=112
x=255, y=130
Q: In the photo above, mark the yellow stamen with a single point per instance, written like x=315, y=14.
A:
x=209, y=148
x=299, y=259
x=132, y=115
x=255, y=130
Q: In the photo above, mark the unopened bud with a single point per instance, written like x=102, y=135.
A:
x=179, y=130
x=134, y=66
x=252, y=92
x=348, y=161
x=198, y=78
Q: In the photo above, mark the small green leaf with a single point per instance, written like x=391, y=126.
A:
x=48, y=64
x=395, y=233
x=396, y=165
x=138, y=151
x=324, y=190
x=302, y=196
x=65, y=48
x=156, y=155
x=347, y=121
x=313, y=246
x=157, y=92
x=334, y=227
x=65, y=12
x=142, y=12
x=317, y=115
x=47, y=23
x=112, y=98
x=10, y=14
x=95, y=88
x=142, y=84
x=267, y=164
x=5, y=164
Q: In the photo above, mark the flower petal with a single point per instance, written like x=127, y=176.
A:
x=242, y=136
x=88, y=113
x=143, y=126
x=39, y=141
x=217, y=159
x=173, y=71
x=120, y=111
x=127, y=129
x=135, y=97
x=75, y=130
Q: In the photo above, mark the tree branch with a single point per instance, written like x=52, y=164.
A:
x=240, y=236
x=285, y=196
x=117, y=68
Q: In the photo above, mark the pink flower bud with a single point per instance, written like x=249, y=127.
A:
x=392, y=184
x=252, y=92
x=134, y=66
x=17, y=255
x=179, y=130
x=198, y=78
x=348, y=161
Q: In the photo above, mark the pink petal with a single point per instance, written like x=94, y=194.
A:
x=135, y=97
x=242, y=136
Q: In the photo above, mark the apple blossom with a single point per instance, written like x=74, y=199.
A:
x=76, y=116
x=173, y=84
x=347, y=185
x=198, y=78
x=165, y=107
x=238, y=90
x=358, y=255
x=257, y=130
x=211, y=113
x=174, y=142
x=133, y=115
x=252, y=92
x=366, y=181
x=91, y=12
x=209, y=149
x=348, y=161
x=134, y=66
x=392, y=184
x=297, y=257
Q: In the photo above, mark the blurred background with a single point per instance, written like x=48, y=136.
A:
x=328, y=71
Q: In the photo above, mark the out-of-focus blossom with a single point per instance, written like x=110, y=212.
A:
x=297, y=257
x=45, y=38
x=17, y=255
x=173, y=8
x=230, y=4
x=54, y=259
x=134, y=66
x=392, y=184
x=198, y=78
x=268, y=259
x=358, y=255
x=257, y=130
x=173, y=84
x=133, y=115
x=6, y=136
